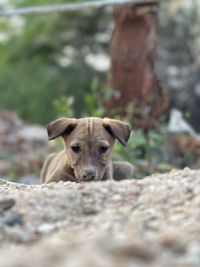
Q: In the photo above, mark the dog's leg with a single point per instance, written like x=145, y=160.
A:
x=56, y=168
x=108, y=175
x=60, y=176
x=122, y=170
x=46, y=166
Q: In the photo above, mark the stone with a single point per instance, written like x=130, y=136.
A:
x=6, y=204
x=11, y=219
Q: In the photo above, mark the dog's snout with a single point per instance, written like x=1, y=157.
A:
x=89, y=174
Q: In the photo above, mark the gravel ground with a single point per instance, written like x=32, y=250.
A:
x=150, y=222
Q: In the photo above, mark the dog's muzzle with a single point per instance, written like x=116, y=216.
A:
x=88, y=175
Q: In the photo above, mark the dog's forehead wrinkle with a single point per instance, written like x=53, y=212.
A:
x=98, y=142
x=90, y=128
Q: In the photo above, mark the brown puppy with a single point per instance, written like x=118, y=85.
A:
x=88, y=150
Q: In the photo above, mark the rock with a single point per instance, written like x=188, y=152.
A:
x=11, y=219
x=30, y=179
x=17, y=234
x=5, y=167
x=46, y=228
x=177, y=124
x=90, y=209
x=32, y=133
x=174, y=243
x=6, y=204
x=133, y=250
x=17, y=140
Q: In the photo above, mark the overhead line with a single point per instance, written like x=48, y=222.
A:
x=71, y=7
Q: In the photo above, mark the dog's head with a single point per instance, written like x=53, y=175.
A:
x=89, y=143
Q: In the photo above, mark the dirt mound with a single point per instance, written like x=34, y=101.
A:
x=149, y=222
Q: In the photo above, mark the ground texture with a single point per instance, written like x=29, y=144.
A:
x=150, y=222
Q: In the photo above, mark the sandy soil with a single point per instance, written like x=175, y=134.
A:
x=150, y=222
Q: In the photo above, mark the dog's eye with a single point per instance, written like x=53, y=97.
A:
x=76, y=149
x=103, y=149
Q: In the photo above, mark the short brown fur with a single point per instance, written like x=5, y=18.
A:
x=88, y=150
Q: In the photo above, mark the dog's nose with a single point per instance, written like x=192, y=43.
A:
x=89, y=174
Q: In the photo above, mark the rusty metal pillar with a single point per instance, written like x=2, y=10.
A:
x=132, y=76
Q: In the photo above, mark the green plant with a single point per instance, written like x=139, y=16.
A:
x=64, y=106
x=144, y=152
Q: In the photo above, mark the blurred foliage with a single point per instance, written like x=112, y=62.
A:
x=179, y=56
x=144, y=152
x=179, y=30
x=43, y=58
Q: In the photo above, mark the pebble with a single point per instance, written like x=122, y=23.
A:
x=134, y=250
x=6, y=204
x=18, y=234
x=89, y=210
x=11, y=219
x=46, y=228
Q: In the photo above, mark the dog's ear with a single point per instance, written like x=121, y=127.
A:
x=59, y=127
x=118, y=129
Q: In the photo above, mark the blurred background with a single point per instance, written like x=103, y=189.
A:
x=137, y=63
